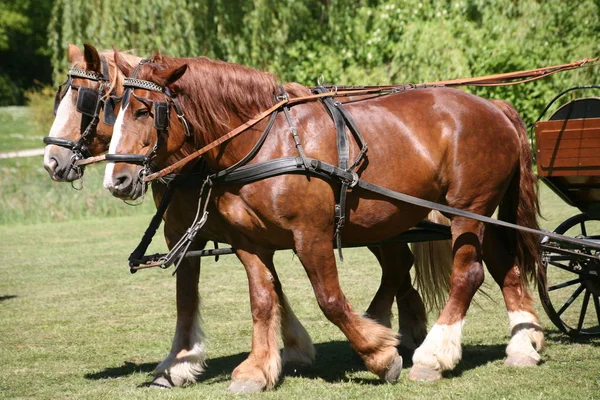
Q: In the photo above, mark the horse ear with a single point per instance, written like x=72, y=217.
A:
x=74, y=53
x=92, y=58
x=170, y=76
x=157, y=57
x=122, y=64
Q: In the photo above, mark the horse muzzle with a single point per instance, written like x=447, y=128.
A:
x=125, y=183
x=59, y=162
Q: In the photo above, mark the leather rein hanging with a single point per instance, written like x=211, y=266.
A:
x=90, y=102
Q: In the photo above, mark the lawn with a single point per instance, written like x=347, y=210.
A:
x=76, y=324
x=16, y=132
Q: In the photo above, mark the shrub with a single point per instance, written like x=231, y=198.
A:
x=41, y=102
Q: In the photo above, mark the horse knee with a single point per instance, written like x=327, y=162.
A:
x=262, y=304
x=335, y=307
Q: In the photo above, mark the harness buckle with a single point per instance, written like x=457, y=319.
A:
x=354, y=181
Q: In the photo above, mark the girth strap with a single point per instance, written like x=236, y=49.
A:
x=287, y=165
x=340, y=118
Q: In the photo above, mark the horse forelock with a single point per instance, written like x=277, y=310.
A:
x=211, y=92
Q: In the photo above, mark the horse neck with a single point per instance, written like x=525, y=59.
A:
x=221, y=97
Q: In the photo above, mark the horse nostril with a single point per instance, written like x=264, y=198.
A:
x=122, y=181
x=52, y=165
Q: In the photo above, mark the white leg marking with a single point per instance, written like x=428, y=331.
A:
x=184, y=366
x=441, y=349
x=527, y=335
x=114, y=144
x=298, y=347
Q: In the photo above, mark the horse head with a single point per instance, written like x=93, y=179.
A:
x=150, y=127
x=85, y=112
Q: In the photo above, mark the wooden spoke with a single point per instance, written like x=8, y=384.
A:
x=571, y=299
x=586, y=301
x=564, y=284
x=597, y=307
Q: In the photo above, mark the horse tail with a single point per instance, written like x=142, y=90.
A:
x=520, y=204
x=433, y=265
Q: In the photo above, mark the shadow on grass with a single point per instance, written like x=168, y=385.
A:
x=335, y=360
x=557, y=336
x=128, y=368
x=474, y=356
x=2, y=298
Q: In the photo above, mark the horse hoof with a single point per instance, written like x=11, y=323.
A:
x=392, y=373
x=246, y=387
x=421, y=373
x=521, y=360
x=161, y=382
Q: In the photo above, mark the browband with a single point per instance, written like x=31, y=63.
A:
x=142, y=84
x=82, y=73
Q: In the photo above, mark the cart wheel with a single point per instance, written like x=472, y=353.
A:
x=573, y=282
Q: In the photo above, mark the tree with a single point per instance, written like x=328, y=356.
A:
x=23, y=48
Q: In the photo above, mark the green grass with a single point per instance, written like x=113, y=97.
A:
x=29, y=196
x=76, y=324
x=16, y=131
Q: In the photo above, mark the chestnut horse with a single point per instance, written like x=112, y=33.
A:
x=186, y=359
x=438, y=144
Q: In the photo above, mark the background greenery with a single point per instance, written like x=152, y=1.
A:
x=348, y=41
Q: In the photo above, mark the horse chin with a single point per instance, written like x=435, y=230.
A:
x=69, y=175
x=134, y=192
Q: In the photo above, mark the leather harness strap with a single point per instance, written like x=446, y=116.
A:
x=293, y=165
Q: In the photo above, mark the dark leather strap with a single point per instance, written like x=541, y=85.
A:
x=137, y=159
x=69, y=144
x=293, y=165
x=137, y=256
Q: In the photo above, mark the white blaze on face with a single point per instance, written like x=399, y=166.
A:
x=61, y=121
x=114, y=143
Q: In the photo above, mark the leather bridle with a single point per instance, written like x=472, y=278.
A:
x=161, y=114
x=90, y=102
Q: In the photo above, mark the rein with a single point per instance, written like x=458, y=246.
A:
x=510, y=78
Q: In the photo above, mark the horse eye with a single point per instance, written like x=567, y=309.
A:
x=141, y=113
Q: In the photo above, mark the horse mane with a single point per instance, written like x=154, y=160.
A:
x=211, y=91
x=117, y=76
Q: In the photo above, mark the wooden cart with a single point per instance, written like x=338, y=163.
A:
x=568, y=161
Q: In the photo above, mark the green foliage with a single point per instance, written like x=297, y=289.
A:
x=23, y=48
x=357, y=42
x=165, y=25
x=41, y=102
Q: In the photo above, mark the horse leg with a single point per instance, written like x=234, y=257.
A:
x=412, y=317
x=261, y=370
x=527, y=337
x=396, y=261
x=375, y=343
x=186, y=361
x=441, y=349
x=391, y=275
x=298, y=349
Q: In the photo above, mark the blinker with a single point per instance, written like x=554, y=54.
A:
x=87, y=101
x=161, y=116
x=125, y=100
x=60, y=93
x=109, y=110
